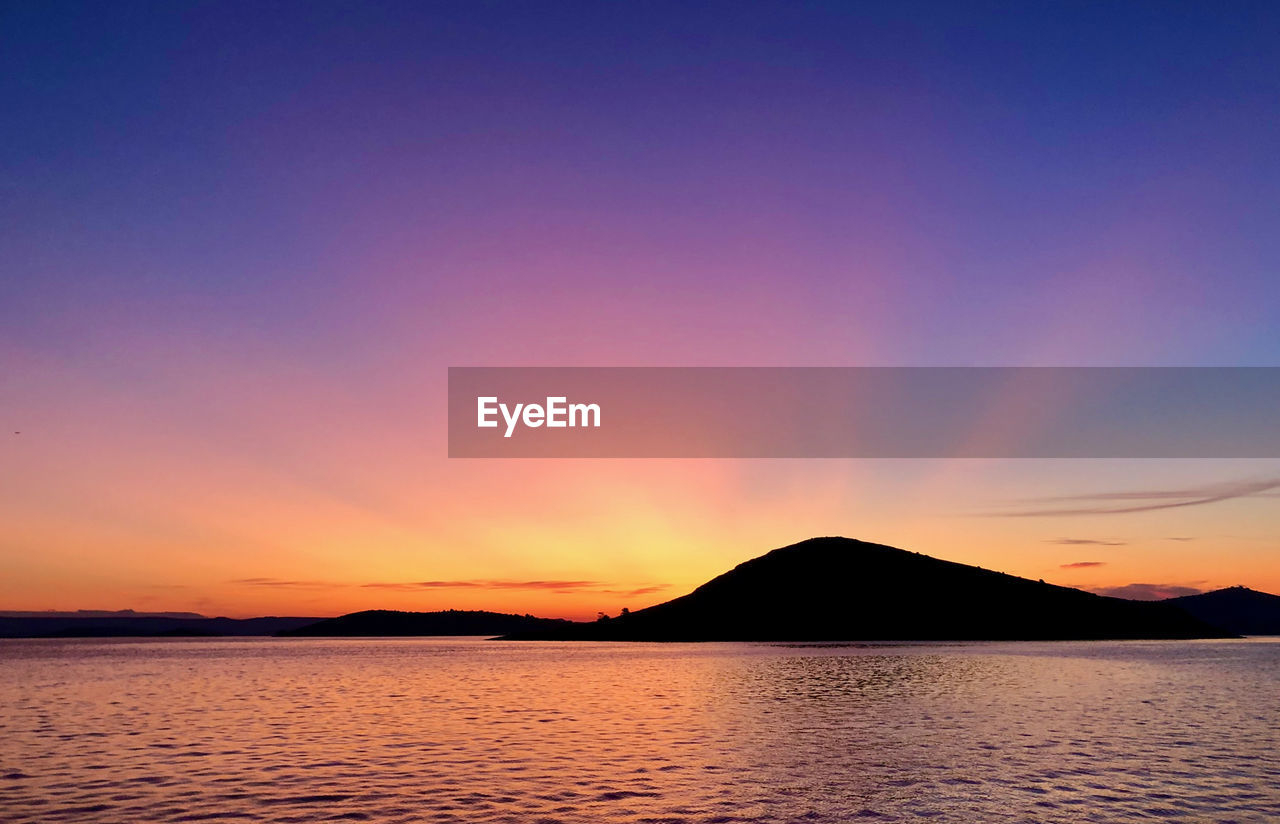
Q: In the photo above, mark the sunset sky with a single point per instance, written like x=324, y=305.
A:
x=240, y=244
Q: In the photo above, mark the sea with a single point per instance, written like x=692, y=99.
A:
x=473, y=730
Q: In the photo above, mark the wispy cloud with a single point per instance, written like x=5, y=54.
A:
x=1084, y=542
x=283, y=583
x=1120, y=503
x=1083, y=564
x=1180, y=539
x=559, y=586
x=649, y=590
x=1147, y=592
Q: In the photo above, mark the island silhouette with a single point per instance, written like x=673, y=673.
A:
x=125, y=623
x=386, y=622
x=821, y=589
x=840, y=589
x=1240, y=610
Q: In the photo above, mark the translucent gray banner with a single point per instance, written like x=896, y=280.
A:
x=864, y=412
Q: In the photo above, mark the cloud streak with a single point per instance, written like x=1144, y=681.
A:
x=649, y=590
x=1083, y=564
x=557, y=586
x=1084, y=542
x=283, y=583
x=1122, y=503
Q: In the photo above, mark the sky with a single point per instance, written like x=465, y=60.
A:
x=240, y=244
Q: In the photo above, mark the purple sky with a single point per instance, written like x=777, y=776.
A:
x=241, y=243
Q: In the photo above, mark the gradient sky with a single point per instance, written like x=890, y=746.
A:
x=241, y=242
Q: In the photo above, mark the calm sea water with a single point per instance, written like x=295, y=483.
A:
x=474, y=731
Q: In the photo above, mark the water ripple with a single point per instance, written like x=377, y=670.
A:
x=277, y=731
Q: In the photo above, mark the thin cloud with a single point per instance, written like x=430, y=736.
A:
x=560, y=586
x=1083, y=564
x=634, y=592
x=283, y=583
x=1179, y=539
x=1147, y=592
x=474, y=583
x=1084, y=542
x=1121, y=503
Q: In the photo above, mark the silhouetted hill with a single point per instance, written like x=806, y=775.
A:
x=838, y=589
x=109, y=626
x=1239, y=610
x=385, y=622
x=95, y=613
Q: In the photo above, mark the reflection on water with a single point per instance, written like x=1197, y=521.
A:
x=467, y=730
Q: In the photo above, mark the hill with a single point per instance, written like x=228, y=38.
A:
x=1238, y=610
x=95, y=613
x=385, y=622
x=838, y=589
x=122, y=625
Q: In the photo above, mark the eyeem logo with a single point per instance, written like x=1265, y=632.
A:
x=558, y=413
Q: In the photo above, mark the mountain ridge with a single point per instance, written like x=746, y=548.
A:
x=135, y=626
x=820, y=589
x=1237, y=609
x=391, y=623
x=841, y=589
